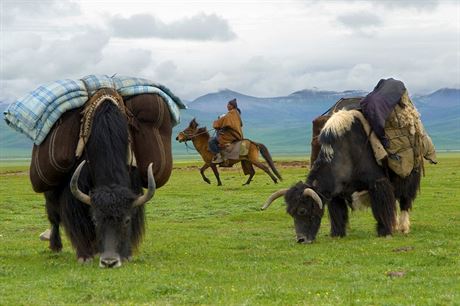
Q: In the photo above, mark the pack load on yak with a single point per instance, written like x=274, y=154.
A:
x=396, y=132
x=55, y=116
x=118, y=131
x=370, y=146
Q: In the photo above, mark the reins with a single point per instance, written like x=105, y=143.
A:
x=194, y=135
x=190, y=137
x=189, y=147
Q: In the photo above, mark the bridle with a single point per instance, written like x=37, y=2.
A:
x=189, y=136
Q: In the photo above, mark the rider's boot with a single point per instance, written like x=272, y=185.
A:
x=217, y=159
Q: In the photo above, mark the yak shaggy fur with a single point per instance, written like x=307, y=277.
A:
x=112, y=185
x=335, y=127
x=346, y=164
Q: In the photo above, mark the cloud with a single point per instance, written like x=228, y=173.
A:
x=200, y=27
x=166, y=71
x=407, y=4
x=360, y=22
x=269, y=57
x=38, y=61
x=124, y=61
x=13, y=10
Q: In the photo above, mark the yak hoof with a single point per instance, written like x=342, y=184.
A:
x=404, y=222
x=208, y=181
x=45, y=236
x=84, y=260
x=405, y=230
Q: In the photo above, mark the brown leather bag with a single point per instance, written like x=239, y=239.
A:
x=318, y=123
x=151, y=131
x=54, y=158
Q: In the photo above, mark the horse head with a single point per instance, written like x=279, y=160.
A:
x=191, y=131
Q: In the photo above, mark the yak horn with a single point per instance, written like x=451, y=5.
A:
x=150, y=191
x=273, y=197
x=77, y=193
x=310, y=192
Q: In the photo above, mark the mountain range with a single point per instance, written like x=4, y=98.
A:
x=282, y=123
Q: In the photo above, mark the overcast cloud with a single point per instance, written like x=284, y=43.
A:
x=12, y=10
x=257, y=47
x=361, y=22
x=197, y=27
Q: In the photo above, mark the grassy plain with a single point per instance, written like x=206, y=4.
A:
x=212, y=245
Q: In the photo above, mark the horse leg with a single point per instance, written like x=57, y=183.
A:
x=260, y=165
x=52, y=210
x=338, y=214
x=250, y=168
x=205, y=166
x=216, y=173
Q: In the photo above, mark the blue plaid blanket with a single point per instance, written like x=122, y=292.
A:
x=35, y=114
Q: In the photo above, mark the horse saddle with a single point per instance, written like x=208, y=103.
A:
x=235, y=150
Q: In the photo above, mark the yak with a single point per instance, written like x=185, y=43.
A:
x=101, y=203
x=345, y=165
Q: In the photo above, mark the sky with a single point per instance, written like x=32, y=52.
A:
x=262, y=48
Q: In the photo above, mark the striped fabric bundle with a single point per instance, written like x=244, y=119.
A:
x=35, y=114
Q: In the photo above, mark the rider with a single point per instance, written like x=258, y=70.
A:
x=228, y=129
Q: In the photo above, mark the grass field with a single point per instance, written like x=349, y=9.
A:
x=212, y=245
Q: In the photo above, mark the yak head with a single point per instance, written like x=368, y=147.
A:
x=305, y=207
x=114, y=212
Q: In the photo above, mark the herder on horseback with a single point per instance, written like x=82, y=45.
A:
x=228, y=147
x=228, y=130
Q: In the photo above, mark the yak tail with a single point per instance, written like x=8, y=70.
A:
x=268, y=158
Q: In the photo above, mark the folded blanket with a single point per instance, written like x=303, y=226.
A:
x=379, y=104
x=35, y=114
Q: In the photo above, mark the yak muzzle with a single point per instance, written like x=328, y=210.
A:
x=304, y=240
x=110, y=262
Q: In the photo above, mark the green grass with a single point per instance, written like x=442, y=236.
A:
x=212, y=245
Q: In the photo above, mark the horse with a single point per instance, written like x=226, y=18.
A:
x=200, y=138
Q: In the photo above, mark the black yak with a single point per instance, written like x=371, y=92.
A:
x=101, y=204
x=345, y=165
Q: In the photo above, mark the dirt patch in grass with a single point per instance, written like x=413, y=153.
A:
x=298, y=164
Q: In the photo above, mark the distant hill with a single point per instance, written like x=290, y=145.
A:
x=12, y=143
x=283, y=123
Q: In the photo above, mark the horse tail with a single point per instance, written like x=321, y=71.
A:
x=268, y=158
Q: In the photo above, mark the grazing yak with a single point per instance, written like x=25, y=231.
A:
x=101, y=203
x=345, y=165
